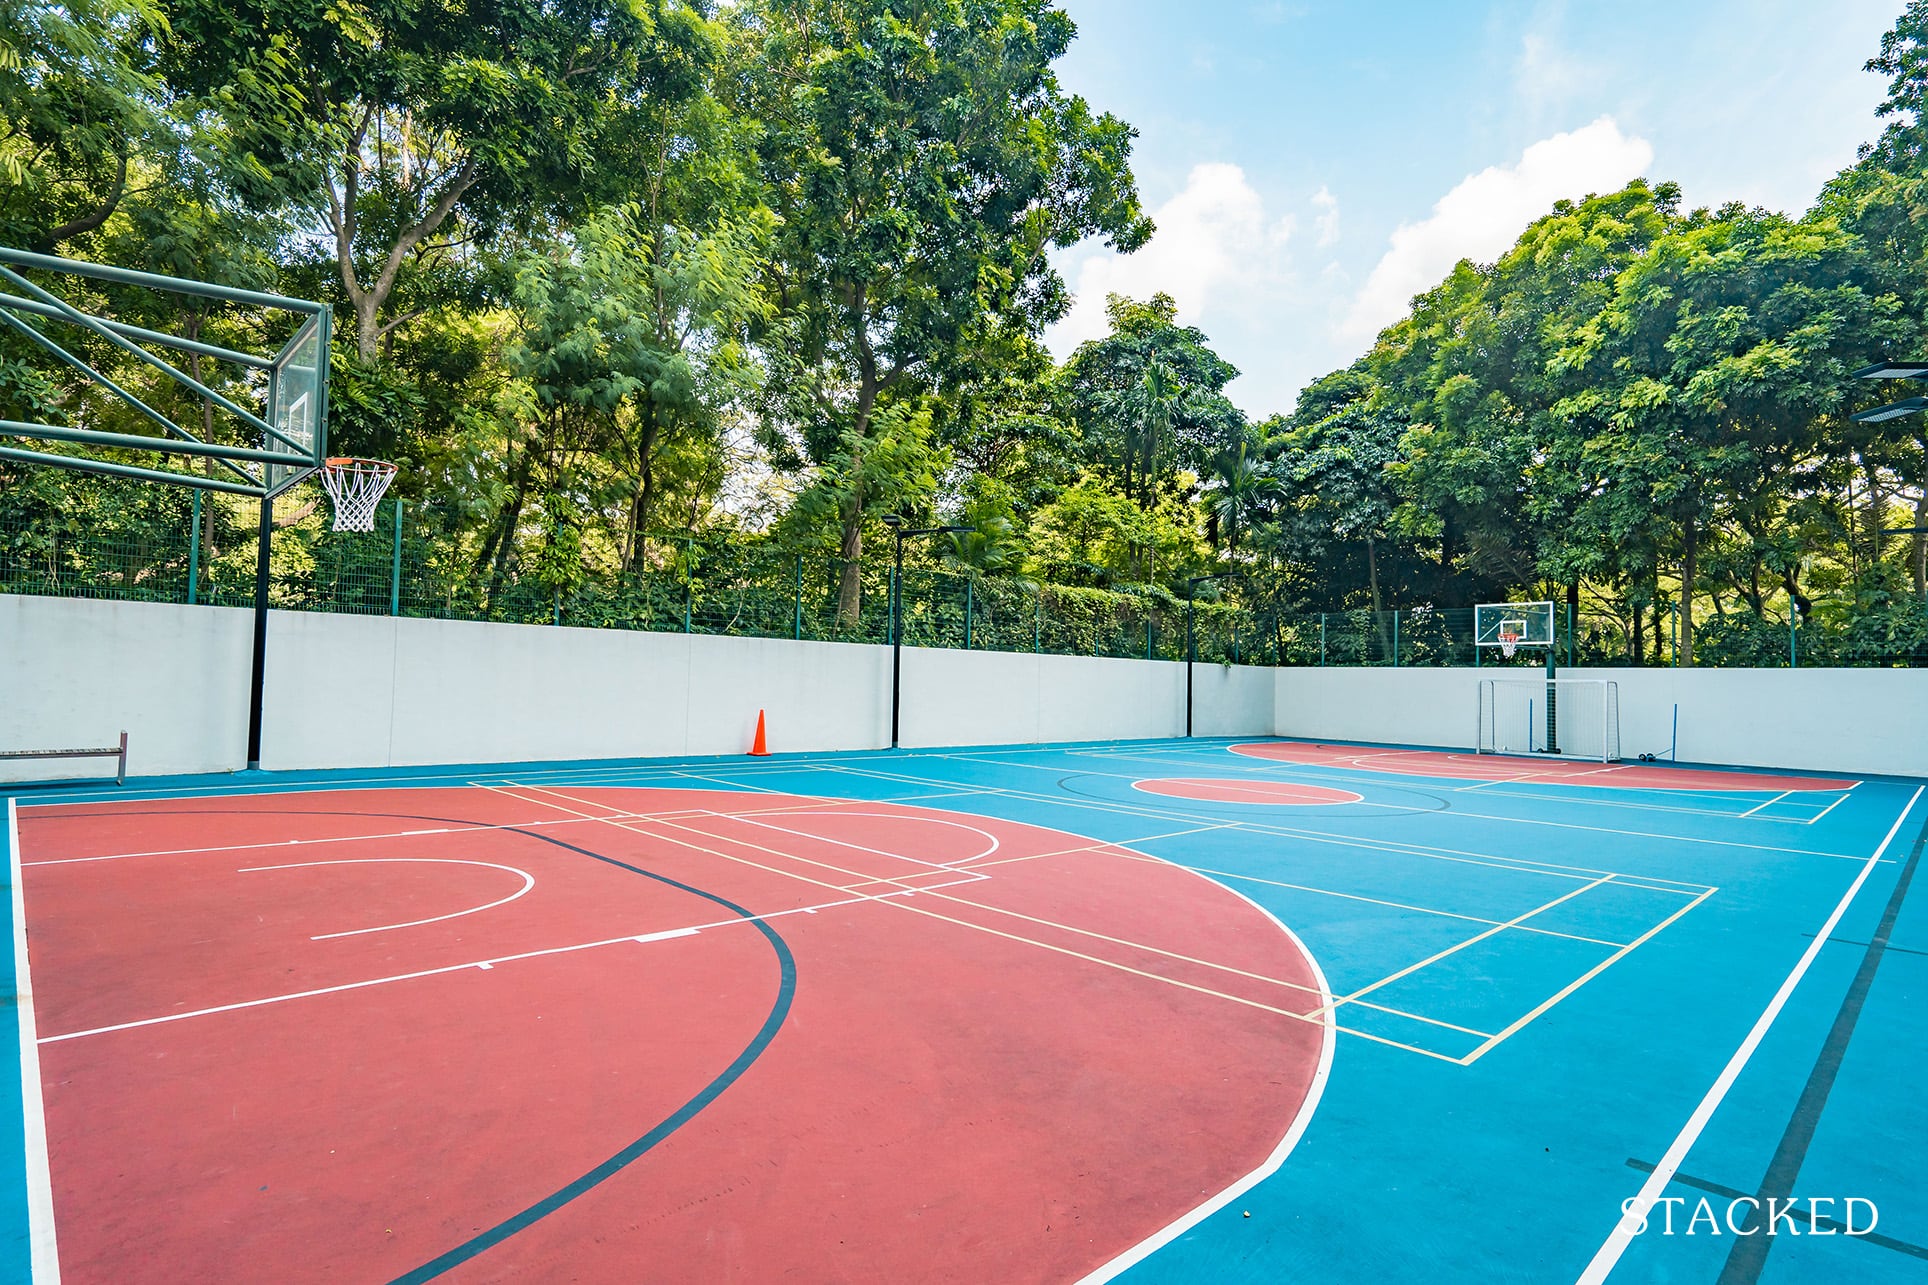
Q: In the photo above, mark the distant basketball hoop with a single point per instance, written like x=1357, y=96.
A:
x=1510, y=634
x=355, y=487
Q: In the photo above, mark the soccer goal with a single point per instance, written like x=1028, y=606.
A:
x=1571, y=717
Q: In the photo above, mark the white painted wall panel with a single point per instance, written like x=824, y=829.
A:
x=355, y=691
x=75, y=672
x=1834, y=720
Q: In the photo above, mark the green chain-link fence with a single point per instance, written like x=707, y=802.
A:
x=696, y=584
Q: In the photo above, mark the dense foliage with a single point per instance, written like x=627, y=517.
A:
x=616, y=282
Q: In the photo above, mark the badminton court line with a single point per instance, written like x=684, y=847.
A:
x=1495, y=930
x=824, y=804
x=1397, y=847
x=897, y=900
x=1397, y=905
x=1634, y=1210
x=1332, y=774
x=1517, y=1026
x=484, y=965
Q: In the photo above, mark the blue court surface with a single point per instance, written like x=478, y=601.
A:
x=1559, y=1001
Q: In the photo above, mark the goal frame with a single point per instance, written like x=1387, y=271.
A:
x=1562, y=691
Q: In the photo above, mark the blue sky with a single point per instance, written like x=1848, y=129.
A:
x=1312, y=165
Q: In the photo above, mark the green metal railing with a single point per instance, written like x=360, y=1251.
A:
x=146, y=549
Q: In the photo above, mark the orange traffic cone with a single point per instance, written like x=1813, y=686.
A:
x=758, y=746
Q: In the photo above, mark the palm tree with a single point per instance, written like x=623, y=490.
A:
x=1237, y=485
x=1150, y=407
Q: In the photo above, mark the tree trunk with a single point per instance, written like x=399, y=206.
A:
x=1689, y=558
x=645, y=490
x=500, y=543
x=1372, y=578
x=850, y=579
x=1920, y=559
x=1572, y=616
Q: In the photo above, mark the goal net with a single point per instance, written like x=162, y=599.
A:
x=1571, y=717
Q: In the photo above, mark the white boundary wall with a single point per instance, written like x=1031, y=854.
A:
x=75, y=673
x=377, y=691
x=373, y=691
x=1824, y=720
x=1014, y=698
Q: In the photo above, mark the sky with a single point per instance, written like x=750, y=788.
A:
x=1312, y=165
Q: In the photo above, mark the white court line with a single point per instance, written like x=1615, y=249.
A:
x=528, y=882
x=43, y=1252
x=1498, y=861
x=1829, y=808
x=1494, y=1041
x=823, y=805
x=1770, y=803
x=1379, y=780
x=886, y=816
x=478, y=964
x=1401, y=905
x=1496, y=929
x=1634, y=1211
x=1270, y=1165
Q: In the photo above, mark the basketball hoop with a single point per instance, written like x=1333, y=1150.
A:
x=355, y=487
x=1509, y=642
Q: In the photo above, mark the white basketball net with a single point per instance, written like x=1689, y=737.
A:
x=355, y=488
x=1509, y=642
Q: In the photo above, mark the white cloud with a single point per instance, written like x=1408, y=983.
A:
x=1481, y=217
x=1327, y=223
x=1214, y=241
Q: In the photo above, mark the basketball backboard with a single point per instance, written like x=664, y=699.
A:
x=254, y=409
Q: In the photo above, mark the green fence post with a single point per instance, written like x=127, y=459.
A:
x=194, y=547
x=1793, y=622
x=689, y=595
x=395, y=569
x=555, y=617
x=967, y=613
x=1569, y=635
x=1147, y=637
x=1322, y=639
x=1037, y=627
x=799, y=630
x=1395, y=638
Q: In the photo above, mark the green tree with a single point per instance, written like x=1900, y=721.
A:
x=75, y=110
x=1150, y=397
x=922, y=160
x=392, y=126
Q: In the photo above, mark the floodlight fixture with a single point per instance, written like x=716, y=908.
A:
x=1887, y=369
x=1894, y=410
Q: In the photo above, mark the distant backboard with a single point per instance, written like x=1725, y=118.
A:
x=1529, y=624
x=119, y=389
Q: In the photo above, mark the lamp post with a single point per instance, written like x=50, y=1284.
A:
x=898, y=531
x=1887, y=369
x=1191, y=642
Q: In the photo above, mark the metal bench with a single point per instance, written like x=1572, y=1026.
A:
x=110, y=752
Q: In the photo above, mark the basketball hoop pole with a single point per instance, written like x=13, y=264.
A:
x=256, y=684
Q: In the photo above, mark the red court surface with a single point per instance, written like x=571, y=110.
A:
x=1547, y=771
x=1212, y=789
x=640, y=1034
